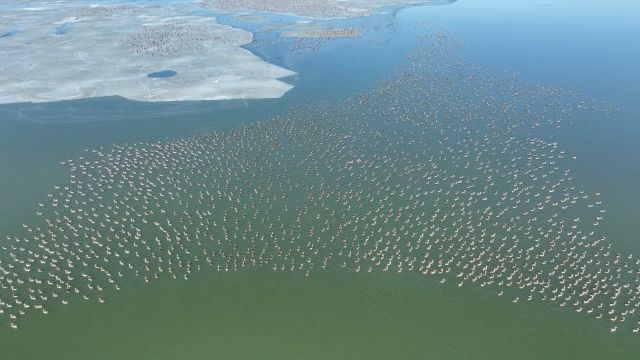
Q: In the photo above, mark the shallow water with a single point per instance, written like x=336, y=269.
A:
x=62, y=28
x=162, y=74
x=259, y=313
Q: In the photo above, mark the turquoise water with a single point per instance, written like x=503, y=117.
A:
x=586, y=47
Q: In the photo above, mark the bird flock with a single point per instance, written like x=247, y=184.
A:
x=313, y=8
x=323, y=9
x=174, y=39
x=318, y=39
x=441, y=170
x=330, y=34
x=109, y=11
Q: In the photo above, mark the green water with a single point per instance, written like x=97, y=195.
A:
x=261, y=314
x=337, y=315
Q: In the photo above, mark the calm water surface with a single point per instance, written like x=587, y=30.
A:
x=587, y=46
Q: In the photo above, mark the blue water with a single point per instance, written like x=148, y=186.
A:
x=515, y=36
x=62, y=28
x=587, y=46
x=9, y=33
x=590, y=46
x=162, y=74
